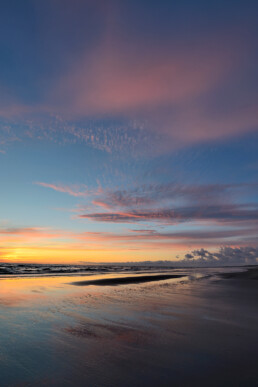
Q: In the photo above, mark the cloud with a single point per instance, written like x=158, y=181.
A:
x=200, y=209
x=123, y=199
x=70, y=190
x=184, y=85
x=109, y=135
x=226, y=256
x=189, y=256
x=188, y=236
x=21, y=230
x=28, y=235
x=180, y=92
x=118, y=80
x=155, y=194
x=131, y=236
x=29, y=239
x=216, y=213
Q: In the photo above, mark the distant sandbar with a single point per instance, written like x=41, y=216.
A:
x=127, y=280
x=250, y=274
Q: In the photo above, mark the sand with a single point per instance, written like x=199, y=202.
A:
x=250, y=274
x=200, y=330
x=127, y=280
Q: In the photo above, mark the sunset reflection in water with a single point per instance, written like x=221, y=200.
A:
x=56, y=333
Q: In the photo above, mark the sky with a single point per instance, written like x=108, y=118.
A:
x=128, y=131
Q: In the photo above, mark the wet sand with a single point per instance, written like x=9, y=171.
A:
x=128, y=280
x=200, y=330
x=250, y=274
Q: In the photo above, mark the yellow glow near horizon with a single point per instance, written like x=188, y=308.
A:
x=77, y=255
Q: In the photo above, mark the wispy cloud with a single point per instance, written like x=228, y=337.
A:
x=223, y=214
x=169, y=204
x=77, y=191
x=180, y=92
x=116, y=80
x=176, y=203
x=190, y=236
x=29, y=234
x=169, y=87
x=28, y=239
x=155, y=194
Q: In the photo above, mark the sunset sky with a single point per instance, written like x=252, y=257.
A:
x=128, y=129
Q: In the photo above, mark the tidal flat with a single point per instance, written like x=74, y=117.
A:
x=190, y=327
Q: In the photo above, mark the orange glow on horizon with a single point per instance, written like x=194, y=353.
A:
x=75, y=255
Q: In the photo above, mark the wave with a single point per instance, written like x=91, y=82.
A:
x=9, y=269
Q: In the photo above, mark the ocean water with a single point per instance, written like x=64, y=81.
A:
x=194, y=330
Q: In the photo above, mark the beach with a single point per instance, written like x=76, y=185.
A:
x=188, y=327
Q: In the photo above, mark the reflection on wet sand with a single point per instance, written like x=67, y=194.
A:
x=173, y=332
x=127, y=280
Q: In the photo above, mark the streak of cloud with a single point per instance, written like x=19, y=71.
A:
x=70, y=190
x=222, y=214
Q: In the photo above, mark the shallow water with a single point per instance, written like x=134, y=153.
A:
x=196, y=330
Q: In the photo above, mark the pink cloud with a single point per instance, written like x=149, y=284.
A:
x=28, y=234
x=101, y=204
x=71, y=190
x=227, y=213
x=194, y=123
x=152, y=235
x=144, y=239
x=166, y=87
x=154, y=194
x=116, y=79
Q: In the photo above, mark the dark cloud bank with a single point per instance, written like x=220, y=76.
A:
x=225, y=256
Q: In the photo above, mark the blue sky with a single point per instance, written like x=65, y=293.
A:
x=128, y=130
